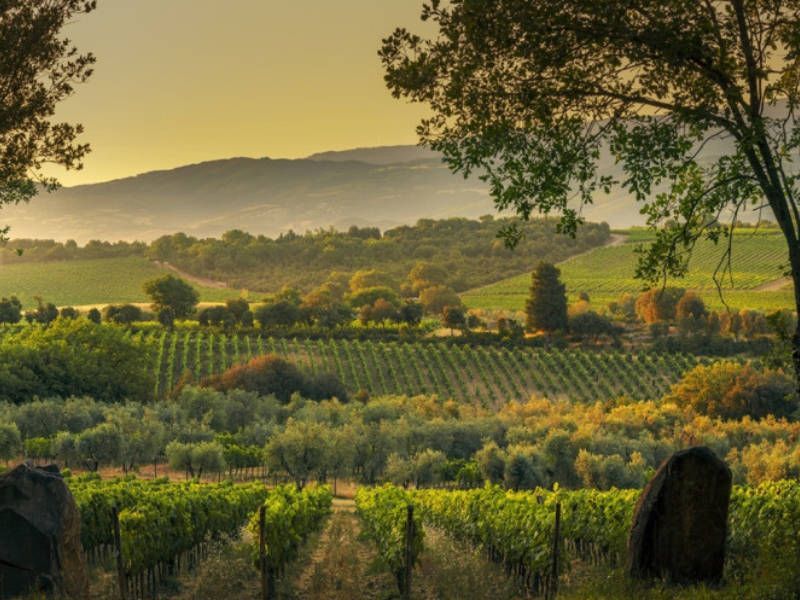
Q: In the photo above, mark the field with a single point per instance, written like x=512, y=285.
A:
x=484, y=374
x=606, y=273
x=89, y=282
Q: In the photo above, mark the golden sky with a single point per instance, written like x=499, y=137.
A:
x=182, y=81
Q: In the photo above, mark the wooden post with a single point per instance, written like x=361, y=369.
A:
x=408, y=558
x=262, y=553
x=553, y=587
x=121, y=580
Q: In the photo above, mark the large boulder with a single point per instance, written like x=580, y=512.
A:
x=680, y=521
x=40, y=536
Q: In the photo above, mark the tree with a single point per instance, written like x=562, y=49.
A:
x=730, y=390
x=659, y=304
x=364, y=279
x=10, y=441
x=100, y=445
x=281, y=313
x=38, y=69
x=94, y=315
x=69, y=312
x=300, y=450
x=123, y=314
x=173, y=293
x=238, y=307
x=546, y=307
x=591, y=325
x=45, y=312
x=424, y=275
x=434, y=299
x=530, y=93
x=10, y=310
x=454, y=317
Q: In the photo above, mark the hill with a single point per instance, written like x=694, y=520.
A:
x=90, y=281
x=467, y=253
x=606, y=273
x=379, y=187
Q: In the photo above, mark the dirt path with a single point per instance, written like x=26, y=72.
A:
x=202, y=281
x=342, y=566
x=773, y=286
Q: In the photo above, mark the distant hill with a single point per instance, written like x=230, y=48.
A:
x=383, y=155
x=381, y=187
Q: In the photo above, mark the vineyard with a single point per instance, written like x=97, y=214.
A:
x=161, y=524
x=517, y=528
x=164, y=526
x=607, y=272
x=88, y=282
x=486, y=374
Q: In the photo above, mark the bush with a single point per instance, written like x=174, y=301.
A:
x=731, y=390
x=590, y=324
x=74, y=357
x=271, y=374
x=124, y=314
x=10, y=310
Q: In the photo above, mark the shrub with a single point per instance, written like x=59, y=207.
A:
x=10, y=310
x=124, y=314
x=74, y=357
x=271, y=374
x=730, y=390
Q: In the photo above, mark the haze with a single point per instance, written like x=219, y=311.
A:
x=183, y=81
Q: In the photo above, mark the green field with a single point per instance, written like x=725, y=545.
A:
x=84, y=282
x=488, y=375
x=606, y=273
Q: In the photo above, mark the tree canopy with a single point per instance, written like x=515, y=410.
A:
x=531, y=93
x=39, y=68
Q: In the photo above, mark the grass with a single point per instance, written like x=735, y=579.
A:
x=606, y=273
x=89, y=282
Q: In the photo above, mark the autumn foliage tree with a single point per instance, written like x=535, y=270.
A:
x=730, y=390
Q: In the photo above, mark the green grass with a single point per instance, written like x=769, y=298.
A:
x=84, y=282
x=608, y=272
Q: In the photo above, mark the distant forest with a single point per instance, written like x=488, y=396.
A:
x=469, y=250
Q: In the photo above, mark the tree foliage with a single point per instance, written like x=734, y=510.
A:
x=531, y=94
x=74, y=357
x=39, y=68
x=170, y=292
x=731, y=391
x=546, y=307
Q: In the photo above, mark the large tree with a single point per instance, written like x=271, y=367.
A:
x=546, y=307
x=39, y=67
x=172, y=293
x=529, y=93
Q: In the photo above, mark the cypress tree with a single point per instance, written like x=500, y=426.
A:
x=546, y=308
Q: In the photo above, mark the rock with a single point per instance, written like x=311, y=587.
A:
x=40, y=536
x=680, y=520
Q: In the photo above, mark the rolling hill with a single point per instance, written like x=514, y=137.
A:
x=607, y=272
x=383, y=187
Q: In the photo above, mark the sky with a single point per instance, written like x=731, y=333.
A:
x=183, y=81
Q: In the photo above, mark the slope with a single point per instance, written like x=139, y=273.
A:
x=606, y=273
